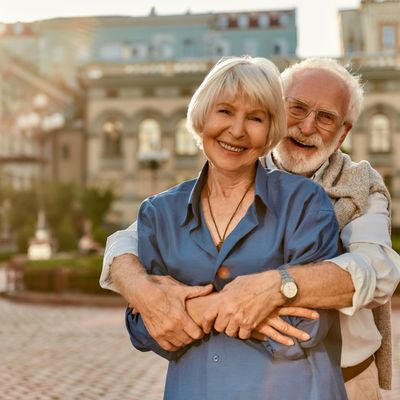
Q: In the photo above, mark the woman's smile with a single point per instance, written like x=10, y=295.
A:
x=229, y=147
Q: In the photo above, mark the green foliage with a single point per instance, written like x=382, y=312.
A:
x=66, y=234
x=76, y=274
x=95, y=204
x=67, y=207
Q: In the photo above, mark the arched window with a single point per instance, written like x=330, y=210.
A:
x=149, y=136
x=184, y=141
x=113, y=129
x=379, y=133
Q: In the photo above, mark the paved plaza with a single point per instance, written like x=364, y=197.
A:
x=50, y=352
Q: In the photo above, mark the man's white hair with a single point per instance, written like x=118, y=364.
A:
x=351, y=80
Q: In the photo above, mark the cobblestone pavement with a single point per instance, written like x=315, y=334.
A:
x=49, y=352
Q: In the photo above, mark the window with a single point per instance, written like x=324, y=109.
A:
x=379, y=133
x=280, y=47
x=188, y=48
x=284, y=20
x=149, y=136
x=112, y=131
x=223, y=22
x=65, y=152
x=111, y=51
x=388, y=37
x=263, y=20
x=162, y=47
x=184, y=141
x=243, y=21
x=219, y=47
x=139, y=51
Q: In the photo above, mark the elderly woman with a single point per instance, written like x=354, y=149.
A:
x=237, y=219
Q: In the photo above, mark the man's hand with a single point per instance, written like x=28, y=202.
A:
x=275, y=328
x=160, y=300
x=244, y=303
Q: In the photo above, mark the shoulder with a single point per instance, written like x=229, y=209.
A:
x=290, y=191
x=294, y=186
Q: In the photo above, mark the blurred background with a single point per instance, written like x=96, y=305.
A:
x=93, y=99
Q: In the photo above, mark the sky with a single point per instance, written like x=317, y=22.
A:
x=317, y=20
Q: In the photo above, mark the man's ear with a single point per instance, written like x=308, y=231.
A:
x=346, y=129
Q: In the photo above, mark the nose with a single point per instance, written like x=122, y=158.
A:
x=307, y=125
x=237, y=127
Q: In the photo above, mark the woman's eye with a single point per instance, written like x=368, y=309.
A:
x=224, y=111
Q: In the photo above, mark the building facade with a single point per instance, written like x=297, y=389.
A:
x=122, y=85
x=371, y=45
x=133, y=78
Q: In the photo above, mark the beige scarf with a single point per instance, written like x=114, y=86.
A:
x=349, y=184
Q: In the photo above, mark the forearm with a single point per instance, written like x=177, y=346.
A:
x=127, y=273
x=322, y=285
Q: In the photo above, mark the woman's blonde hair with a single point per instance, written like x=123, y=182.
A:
x=258, y=79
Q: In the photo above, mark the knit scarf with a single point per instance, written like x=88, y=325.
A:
x=349, y=185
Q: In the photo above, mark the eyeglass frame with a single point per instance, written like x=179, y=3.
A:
x=316, y=112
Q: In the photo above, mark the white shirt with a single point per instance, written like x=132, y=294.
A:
x=372, y=263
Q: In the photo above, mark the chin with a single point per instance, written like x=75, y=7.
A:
x=300, y=162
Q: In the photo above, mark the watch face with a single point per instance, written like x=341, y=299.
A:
x=290, y=290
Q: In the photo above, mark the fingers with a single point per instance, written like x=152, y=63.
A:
x=197, y=291
x=191, y=330
x=208, y=319
x=164, y=344
x=280, y=331
x=298, y=312
x=268, y=332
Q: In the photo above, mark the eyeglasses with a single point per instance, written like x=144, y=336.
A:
x=324, y=119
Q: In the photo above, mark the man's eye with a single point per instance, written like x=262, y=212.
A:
x=326, y=117
x=298, y=109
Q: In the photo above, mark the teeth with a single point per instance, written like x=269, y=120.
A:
x=231, y=148
x=303, y=144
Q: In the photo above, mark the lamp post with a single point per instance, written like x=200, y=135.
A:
x=37, y=125
x=153, y=159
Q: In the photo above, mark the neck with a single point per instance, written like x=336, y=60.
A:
x=225, y=183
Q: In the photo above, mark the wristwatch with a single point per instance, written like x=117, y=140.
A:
x=288, y=285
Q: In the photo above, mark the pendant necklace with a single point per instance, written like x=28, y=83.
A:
x=222, y=239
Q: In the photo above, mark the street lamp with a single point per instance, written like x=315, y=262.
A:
x=37, y=125
x=153, y=159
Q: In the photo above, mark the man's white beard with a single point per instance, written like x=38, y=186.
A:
x=299, y=162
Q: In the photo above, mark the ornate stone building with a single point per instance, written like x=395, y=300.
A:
x=371, y=44
x=134, y=77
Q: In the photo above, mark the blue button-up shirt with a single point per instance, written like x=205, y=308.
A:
x=291, y=221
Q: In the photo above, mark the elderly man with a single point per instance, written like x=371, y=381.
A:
x=323, y=101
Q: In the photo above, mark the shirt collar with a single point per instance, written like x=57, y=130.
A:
x=193, y=205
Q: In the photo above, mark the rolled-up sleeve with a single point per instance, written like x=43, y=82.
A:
x=369, y=258
x=143, y=341
x=121, y=242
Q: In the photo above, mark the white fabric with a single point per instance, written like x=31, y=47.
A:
x=120, y=242
x=373, y=265
x=375, y=271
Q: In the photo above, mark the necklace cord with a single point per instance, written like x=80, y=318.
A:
x=222, y=239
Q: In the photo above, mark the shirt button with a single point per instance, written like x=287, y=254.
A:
x=224, y=272
x=215, y=358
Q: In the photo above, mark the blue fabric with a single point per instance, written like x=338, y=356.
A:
x=291, y=221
